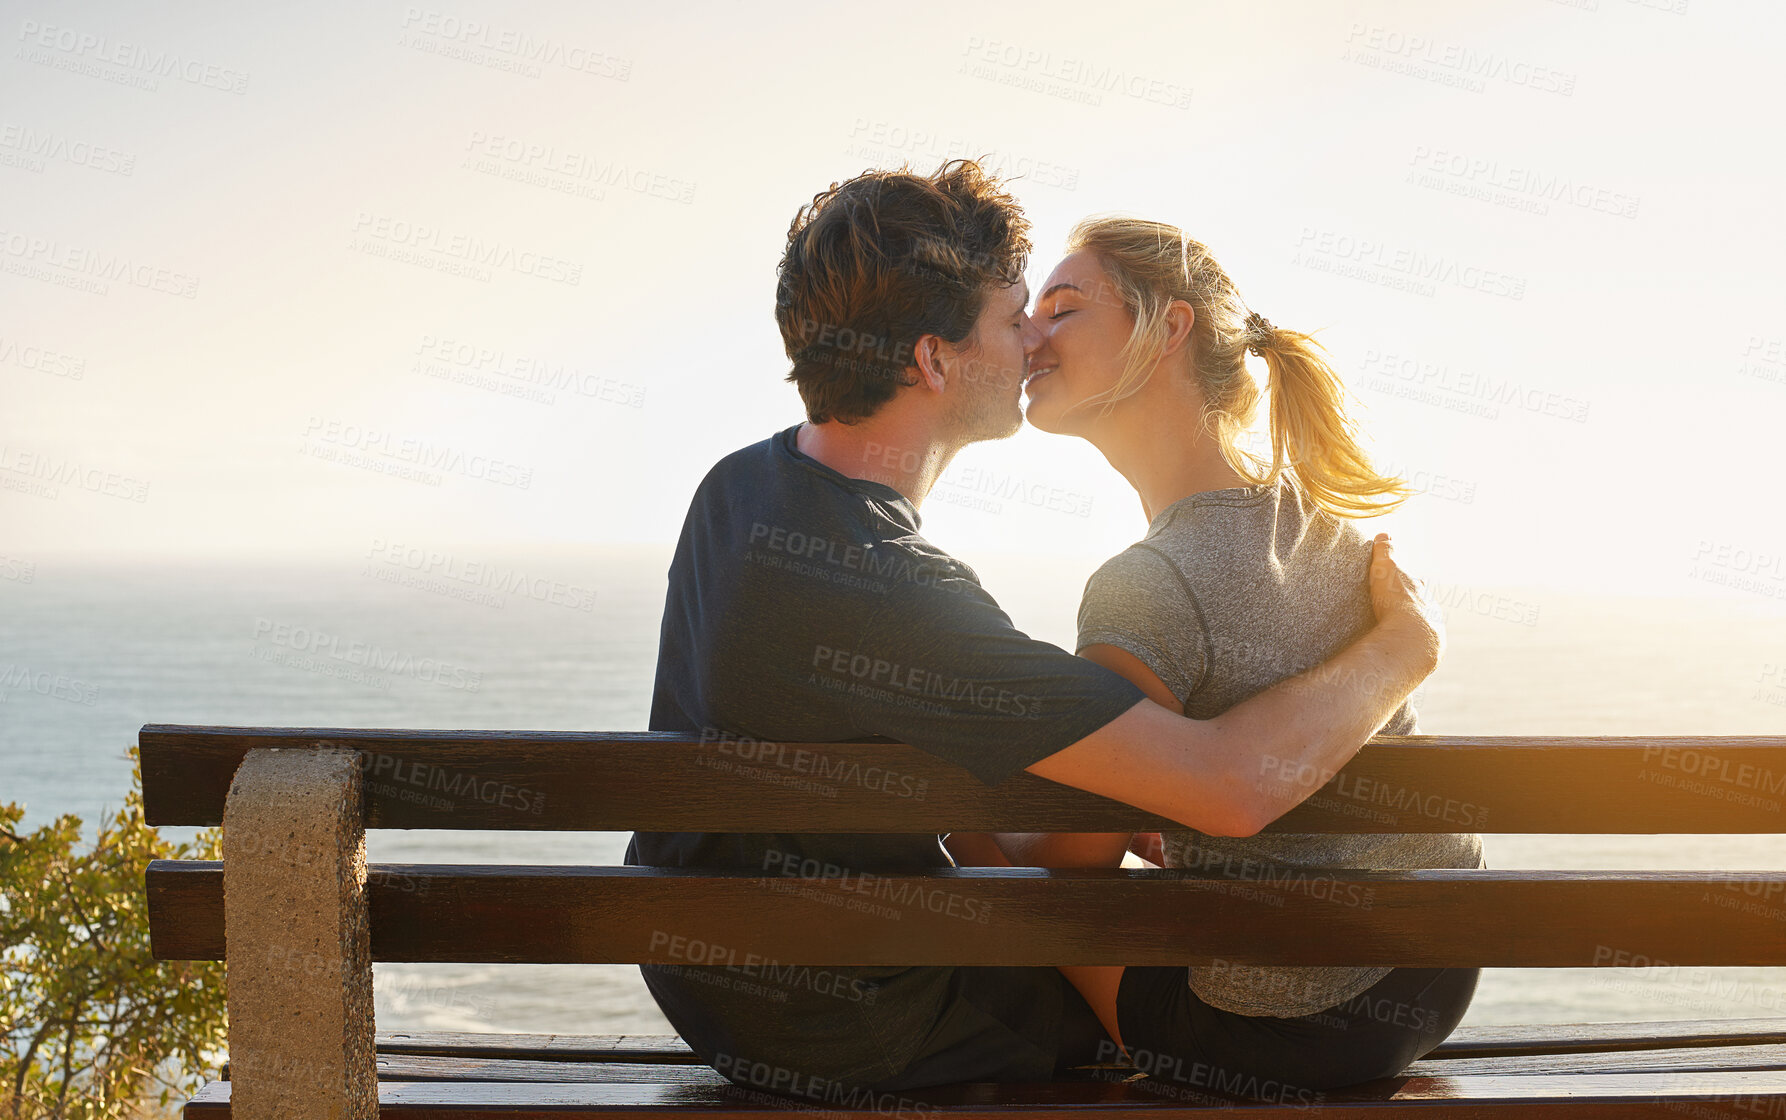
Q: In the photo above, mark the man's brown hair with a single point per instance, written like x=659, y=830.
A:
x=875, y=263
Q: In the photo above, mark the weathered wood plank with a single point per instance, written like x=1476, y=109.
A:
x=185, y=897
x=658, y=782
x=1668, y=1096
x=1465, y=1042
x=1701, y=1059
x=1578, y=1038
x=659, y=1048
x=1028, y=916
x=438, y=1067
x=1692, y=1059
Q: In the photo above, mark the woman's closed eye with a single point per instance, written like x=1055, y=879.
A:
x=1061, y=313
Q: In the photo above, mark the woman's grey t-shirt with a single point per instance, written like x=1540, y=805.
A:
x=1230, y=592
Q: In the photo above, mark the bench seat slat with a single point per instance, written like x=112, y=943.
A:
x=653, y=781
x=1699, y=1059
x=1465, y=1042
x=1026, y=916
x=1685, y=1060
x=1581, y=1097
x=437, y=1067
x=1577, y=1038
x=661, y=1048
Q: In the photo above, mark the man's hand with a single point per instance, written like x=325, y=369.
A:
x=1236, y=773
x=1404, y=610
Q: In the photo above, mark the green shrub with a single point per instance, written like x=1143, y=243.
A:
x=95, y=1027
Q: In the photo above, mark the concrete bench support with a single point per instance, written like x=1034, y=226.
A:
x=299, y=954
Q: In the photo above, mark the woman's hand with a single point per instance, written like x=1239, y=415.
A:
x=1401, y=605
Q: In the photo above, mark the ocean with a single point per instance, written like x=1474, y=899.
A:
x=90, y=652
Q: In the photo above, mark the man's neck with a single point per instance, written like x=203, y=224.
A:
x=889, y=448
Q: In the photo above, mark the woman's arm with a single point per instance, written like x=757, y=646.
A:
x=1087, y=849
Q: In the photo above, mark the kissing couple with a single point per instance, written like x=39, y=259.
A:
x=1250, y=642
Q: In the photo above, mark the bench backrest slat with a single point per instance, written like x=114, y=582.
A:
x=1024, y=916
x=606, y=781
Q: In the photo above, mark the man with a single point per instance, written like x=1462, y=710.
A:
x=805, y=606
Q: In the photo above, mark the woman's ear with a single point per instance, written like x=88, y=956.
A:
x=1180, y=317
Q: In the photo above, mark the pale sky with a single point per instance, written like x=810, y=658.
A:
x=1544, y=241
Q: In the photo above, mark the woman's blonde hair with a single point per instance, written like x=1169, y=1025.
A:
x=1313, y=440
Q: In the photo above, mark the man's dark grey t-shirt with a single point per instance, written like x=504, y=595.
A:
x=804, y=606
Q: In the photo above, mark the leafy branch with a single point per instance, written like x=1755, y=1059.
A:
x=90, y=1023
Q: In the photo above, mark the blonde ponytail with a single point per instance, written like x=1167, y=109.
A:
x=1313, y=439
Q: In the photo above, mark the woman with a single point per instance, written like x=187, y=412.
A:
x=1250, y=572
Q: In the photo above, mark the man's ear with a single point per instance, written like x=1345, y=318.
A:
x=927, y=358
x=1179, y=318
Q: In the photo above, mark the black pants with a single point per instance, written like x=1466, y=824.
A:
x=1006, y=1024
x=1029, y=1024
x=1174, y=1036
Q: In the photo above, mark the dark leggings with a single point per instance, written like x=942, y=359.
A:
x=1174, y=1036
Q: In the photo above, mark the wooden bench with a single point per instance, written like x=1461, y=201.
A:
x=596, y=781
